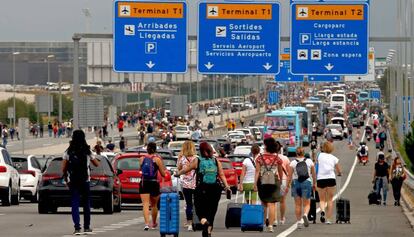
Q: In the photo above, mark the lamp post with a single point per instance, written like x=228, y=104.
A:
x=48, y=81
x=14, y=88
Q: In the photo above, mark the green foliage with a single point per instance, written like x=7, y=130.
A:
x=23, y=109
x=409, y=144
x=67, y=107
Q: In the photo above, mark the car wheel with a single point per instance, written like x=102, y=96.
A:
x=7, y=198
x=42, y=207
x=108, y=206
x=118, y=207
x=16, y=198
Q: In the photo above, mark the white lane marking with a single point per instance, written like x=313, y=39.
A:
x=1, y=214
x=292, y=228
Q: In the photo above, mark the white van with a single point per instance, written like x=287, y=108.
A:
x=338, y=100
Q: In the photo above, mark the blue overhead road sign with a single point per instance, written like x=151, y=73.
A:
x=329, y=38
x=238, y=38
x=150, y=37
x=273, y=97
x=322, y=78
x=375, y=94
x=285, y=75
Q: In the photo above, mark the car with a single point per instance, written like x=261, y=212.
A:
x=175, y=145
x=237, y=138
x=257, y=134
x=242, y=150
x=214, y=110
x=109, y=155
x=105, y=187
x=9, y=180
x=230, y=173
x=213, y=142
x=237, y=162
x=341, y=121
x=249, y=105
x=171, y=165
x=336, y=130
x=30, y=175
x=44, y=161
x=247, y=132
x=128, y=165
x=183, y=132
x=164, y=153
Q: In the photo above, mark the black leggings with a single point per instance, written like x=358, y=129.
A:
x=206, y=198
x=396, y=188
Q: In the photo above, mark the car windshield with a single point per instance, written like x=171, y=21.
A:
x=226, y=165
x=334, y=126
x=237, y=158
x=131, y=163
x=170, y=162
x=55, y=167
x=338, y=98
x=19, y=163
x=236, y=136
x=180, y=128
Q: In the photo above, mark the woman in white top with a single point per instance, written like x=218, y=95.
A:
x=247, y=175
x=326, y=180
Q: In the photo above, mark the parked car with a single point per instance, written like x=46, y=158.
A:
x=230, y=173
x=183, y=132
x=214, y=110
x=237, y=162
x=9, y=180
x=130, y=176
x=105, y=188
x=30, y=176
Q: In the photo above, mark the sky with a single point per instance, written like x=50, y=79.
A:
x=57, y=20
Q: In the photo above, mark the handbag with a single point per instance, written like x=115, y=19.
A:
x=268, y=177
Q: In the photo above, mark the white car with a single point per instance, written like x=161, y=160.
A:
x=9, y=180
x=183, y=132
x=256, y=133
x=247, y=132
x=237, y=138
x=175, y=145
x=214, y=110
x=336, y=130
x=30, y=172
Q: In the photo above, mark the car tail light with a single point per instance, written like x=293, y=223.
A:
x=47, y=177
x=100, y=178
x=28, y=172
x=3, y=169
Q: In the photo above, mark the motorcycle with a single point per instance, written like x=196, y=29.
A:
x=363, y=160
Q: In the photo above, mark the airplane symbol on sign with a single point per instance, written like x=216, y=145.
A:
x=125, y=10
x=213, y=12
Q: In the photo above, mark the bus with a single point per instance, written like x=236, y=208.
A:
x=285, y=127
x=315, y=108
x=338, y=100
x=306, y=125
x=363, y=96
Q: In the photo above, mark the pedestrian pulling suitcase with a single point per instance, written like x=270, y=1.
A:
x=252, y=217
x=233, y=214
x=312, y=210
x=343, y=207
x=169, y=214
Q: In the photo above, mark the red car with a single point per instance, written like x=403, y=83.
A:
x=230, y=173
x=237, y=161
x=130, y=176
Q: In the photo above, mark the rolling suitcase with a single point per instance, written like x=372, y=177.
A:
x=373, y=198
x=312, y=210
x=252, y=217
x=169, y=214
x=343, y=207
x=233, y=214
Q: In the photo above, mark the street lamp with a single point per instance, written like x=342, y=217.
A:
x=14, y=88
x=49, y=57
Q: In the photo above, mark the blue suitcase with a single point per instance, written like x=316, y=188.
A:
x=252, y=218
x=169, y=214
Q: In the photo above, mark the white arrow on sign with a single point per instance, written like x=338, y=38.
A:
x=209, y=65
x=329, y=66
x=289, y=78
x=335, y=78
x=267, y=66
x=312, y=78
x=150, y=64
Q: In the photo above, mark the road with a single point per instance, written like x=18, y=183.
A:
x=366, y=220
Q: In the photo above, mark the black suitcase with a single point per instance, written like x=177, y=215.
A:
x=374, y=198
x=233, y=215
x=312, y=210
x=343, y=211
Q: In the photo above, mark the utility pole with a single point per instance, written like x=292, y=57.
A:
x=76, y=40
x=60, y=94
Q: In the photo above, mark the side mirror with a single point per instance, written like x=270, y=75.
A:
x=119, y=172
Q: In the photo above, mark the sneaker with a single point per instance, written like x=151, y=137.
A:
x=323, y=217
x=270, y=229
x=282, y=221
x=299, y=225
x=275, y=223
x=384, y=203
x=146, y=228
x=154, y=226
x=305, y=220
x=77, y=232
x=190, y=228
x=328, y=222
x=87, y=230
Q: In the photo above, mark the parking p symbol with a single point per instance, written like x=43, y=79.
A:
x=305, y=39
x=151, y=48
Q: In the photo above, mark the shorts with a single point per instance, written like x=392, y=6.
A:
x=303, y=190
x=249, y=189
x=326, y=183
x=150, y=187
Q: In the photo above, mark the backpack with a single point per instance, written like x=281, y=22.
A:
x=149, y=169
x=78, y=168
x=207, y=171
x=268, y=176
x=302, y=170
x=382, y=135
x=363, y=150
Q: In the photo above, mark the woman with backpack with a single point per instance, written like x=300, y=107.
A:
x=268, y=178
x=188, y=183
x=326, y=180
x=149, y=187
x=247, y=175
x=302, y=176
x=209, y=172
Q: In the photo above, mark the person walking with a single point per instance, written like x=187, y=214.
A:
x=397, y=178
x=149, y=188
x=4, y=135
x=381, y=178
x=76, y=172
x=49, y=128
x=188, y=183
x=284, y=189
x=268, y=178
x=98, y=148
x=246, y=184
x=122, y=144
x=209, y=172
x=326, y=180
x=210, y=128
x=302, y=177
